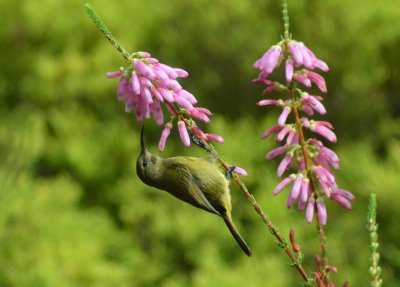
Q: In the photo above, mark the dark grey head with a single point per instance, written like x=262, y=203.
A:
x=147, y=164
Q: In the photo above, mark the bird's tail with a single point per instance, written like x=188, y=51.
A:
x=232, y=228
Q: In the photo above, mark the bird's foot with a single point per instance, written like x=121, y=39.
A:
x=199, y=142
x=228, y=173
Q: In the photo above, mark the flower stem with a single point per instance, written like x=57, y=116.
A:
x=285, y=17
x=265, y=218
x=307, y=162
x=372, y=226
x=103, y=28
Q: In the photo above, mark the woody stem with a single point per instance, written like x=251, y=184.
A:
x=265, y=218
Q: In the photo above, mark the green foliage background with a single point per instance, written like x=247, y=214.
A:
x=73, y=212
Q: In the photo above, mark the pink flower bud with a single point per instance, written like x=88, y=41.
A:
x=164, y=135
x=198, y=132
x=157, y=112
x=302, y=79
x=183, y=133
x=170, y=71
x=289, y=70
x=345, y=194
x=294, y=193
x=321, y=65
x=305, y=190
x=135, y=83
x=166, y=94
x=188, y=96
x=296, y=53
x=318, y=80
x=284, y=164
x=181, y=73
x=174, y=85
x=310, y=210
x=197, y=114
x=308, y=110
x=307, y=59
x=321, y=211
x=183, y=102
x=156, y=94
x=282, y=118
x=115, y=74
x=276, y=152
x=215, y=138
x=204, y=111
x=144, y=54
x=269, y=60
x=161, y=75
x=144, y=70
x=270, y=89
x=240, y=171
x=268, y=132
x=284, y=183
x=283, y=132
x=323, y=131
x=342, y=201
x=123, y=89
x=269, y=102
x=314, y=103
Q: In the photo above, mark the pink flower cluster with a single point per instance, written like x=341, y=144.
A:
x=145, y=84
x=320, y=161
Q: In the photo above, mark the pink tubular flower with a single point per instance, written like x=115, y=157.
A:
x=282, y=133
x=314, y=180
x=313, y=102
x=183, y=133
x=294, y=193
x=282, y=118
x=310, y=210
x=198, y=132
x=215, y=138
x=145, y=84
x=197, y=113
x=297, y=55
x=302, y=79
x=285, y=163
x=269, y=61
x=323, y=128
x=115, y=74
x=343, y=197
x=240, y=171
x=286, y=181
x=270, y=131
x=164, y=135
x=321, y=211
x=275, y=152
x=269, y=102
x=289, y=70
x=318, y=80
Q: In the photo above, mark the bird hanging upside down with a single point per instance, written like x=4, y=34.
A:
x=197, y=181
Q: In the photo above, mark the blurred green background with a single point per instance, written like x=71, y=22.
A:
x=72, y=210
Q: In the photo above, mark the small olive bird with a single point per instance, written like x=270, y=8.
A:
x=197, y=181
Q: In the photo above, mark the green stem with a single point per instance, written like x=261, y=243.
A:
x=285, y=17
x=372, y=226
x=103, y=28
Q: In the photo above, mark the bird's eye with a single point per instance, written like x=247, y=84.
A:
x=144, y=163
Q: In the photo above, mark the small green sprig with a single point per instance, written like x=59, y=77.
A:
x=103, y=28
x=372, y=227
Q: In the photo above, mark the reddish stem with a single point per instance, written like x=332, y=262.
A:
x=308, y=165
x=265, y=218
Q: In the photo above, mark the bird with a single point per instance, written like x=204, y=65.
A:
x=200, y=182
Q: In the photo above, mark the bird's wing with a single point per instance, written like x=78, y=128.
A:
x=193, y=189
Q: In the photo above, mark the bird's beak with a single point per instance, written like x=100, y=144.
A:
x=143, y=149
